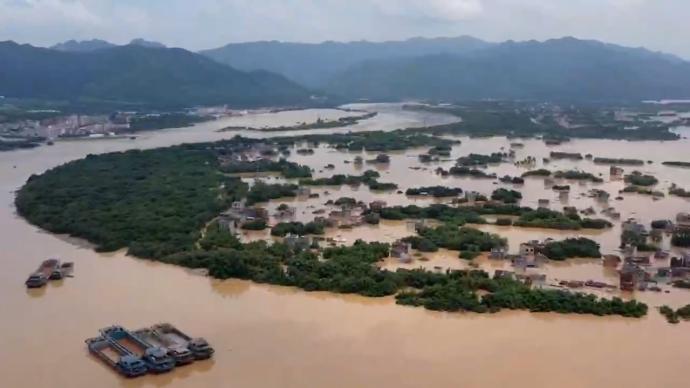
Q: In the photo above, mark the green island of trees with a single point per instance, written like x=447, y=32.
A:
x=375, y=141
x=578, y=175
x=471, y=172
x=678, y=191
x=298, y=228
x=527, y=217
x=642, y=190
x=368, y=178
x=264, y=192
x=318, y=124
x=638, y=179
x=516, y=180
x=469, y=241
x=566, y=155
x=157, y=202
x=674, y=316
x=540, y=172
x=164, y=120
x=620, y=161
x=473, y=160
x=282, y=166
x=20, y=143
x=572, y=247
x=434, y=191
x=461, y=291
x=506, y=195
x=676, y=164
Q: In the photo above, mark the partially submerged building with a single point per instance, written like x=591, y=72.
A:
x=401, y=250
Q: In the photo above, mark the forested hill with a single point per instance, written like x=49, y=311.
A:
x=314, y=64
x=134, y=74
x=559, y=69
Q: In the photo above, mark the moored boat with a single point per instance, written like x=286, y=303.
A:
x=125, y=363
x=180, y=353
x=40, y=277
x=64, y=270
x=198, y=346
x=156, y=358
x=36, y=280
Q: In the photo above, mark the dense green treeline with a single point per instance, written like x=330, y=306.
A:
x=154, y=202
x=282, y=166
x=165, y=120
x=368, y=178
x=297, y=228
x=434, y=191
x=264, y=192
x=375, y=141
x=527, y=217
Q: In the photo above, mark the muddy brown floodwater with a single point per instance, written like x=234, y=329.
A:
x=269, y=336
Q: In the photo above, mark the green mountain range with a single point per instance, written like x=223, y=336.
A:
x=561, y=69
x=138, y=75
x=313, y=65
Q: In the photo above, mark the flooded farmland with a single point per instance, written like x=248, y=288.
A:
x=267, y=336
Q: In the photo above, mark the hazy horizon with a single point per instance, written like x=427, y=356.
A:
x=213, y=23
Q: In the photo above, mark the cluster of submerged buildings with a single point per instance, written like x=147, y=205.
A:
x=69, y=125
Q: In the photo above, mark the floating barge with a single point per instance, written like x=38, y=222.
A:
x=124, y=362
x=155, y=357
x=175, y=337
x=179, y=352
x=43, y=273
x=157, y=349
x=64, y=270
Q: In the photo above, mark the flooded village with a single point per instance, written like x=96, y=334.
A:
x=246, y=321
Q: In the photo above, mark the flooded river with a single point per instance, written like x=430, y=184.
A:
x=269, y=336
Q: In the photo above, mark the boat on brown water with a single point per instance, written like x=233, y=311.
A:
x=173, y=336
x=40, y=277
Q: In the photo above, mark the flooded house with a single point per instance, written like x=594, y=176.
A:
x=611, y=261
x=616, y=172
x=297, y=242
x=630, y=277
x=229, y=222
x=303, y=191
x=503, y=274
x=680, y=266
x=498, y=253
x=471, y=196
x=233, y=218
x=599, y=195
x=634, y=256
x=683, y=221
x=377, y=206
x=570, y=210
x=563, y=195
x=529, y=248
x=284, y=212
x=536, y=280
x=401, y=250
x=634, y=227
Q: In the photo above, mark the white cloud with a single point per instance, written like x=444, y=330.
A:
x=449, y=10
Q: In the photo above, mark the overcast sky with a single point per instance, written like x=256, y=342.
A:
x=196, y=24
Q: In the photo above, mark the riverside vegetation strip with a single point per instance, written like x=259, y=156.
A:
x=156, y=202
